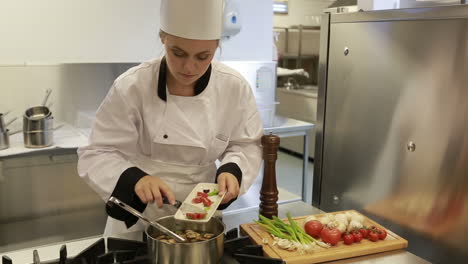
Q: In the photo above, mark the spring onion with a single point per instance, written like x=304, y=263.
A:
x=291, y=232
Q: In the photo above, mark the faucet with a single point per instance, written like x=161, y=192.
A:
x=291, y=84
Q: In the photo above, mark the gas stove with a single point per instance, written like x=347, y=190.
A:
x=237, y=249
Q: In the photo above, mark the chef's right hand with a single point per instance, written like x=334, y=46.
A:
x=150, y=189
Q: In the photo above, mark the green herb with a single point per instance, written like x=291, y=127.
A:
x=290, y=231
x=214, y=192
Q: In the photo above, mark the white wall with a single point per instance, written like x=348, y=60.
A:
x=301, y=12
x=254, y=42
x=68, y=31
x=80, y=86
x=108, y=31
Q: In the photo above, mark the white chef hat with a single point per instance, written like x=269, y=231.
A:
x=192, y=19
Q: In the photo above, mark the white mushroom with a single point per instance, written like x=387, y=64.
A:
x=343, y=218
x=327, y=219
x=341, y=226
x=354, y=225
x=285, y=244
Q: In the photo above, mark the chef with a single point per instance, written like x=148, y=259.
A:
x=165, y=122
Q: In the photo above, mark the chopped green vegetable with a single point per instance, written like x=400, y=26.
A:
x=214, y=192
x=206, y=209
x=290, y=231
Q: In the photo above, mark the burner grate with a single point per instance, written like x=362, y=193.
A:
x=238, y=249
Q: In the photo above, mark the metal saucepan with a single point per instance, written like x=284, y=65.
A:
x=207, y=252
x=31, y=124
x=5, y=138
x=39, y=138
x=3, y=124
x=37, y=112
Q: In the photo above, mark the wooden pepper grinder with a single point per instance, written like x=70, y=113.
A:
x=269, y=191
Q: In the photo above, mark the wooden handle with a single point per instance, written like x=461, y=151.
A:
x=269, y=191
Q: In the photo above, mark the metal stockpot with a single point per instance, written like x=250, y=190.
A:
x=38, y=138
x=4, y=139
x=37, y=112
x=39, y=124
x=38, y=118
x=207, y=252
x=3, y=124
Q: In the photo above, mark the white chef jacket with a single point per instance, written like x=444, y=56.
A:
x=177, y=138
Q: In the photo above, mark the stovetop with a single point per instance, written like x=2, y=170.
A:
x=237, y=249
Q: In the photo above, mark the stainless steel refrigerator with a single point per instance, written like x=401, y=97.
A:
x=392, y=123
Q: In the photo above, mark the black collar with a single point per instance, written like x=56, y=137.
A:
x=199, y=86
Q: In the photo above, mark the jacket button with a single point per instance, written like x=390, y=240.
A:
x=165, y=136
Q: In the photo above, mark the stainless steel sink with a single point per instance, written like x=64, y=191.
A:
x=307, y=87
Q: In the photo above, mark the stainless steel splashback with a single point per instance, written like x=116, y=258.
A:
x=392, y=137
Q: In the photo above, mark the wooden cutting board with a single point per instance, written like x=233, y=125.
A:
x=340, y=251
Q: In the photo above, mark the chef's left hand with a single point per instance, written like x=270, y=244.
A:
x=228, y=184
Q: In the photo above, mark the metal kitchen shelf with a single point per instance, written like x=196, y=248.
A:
x=294, y=56
x=299, y=56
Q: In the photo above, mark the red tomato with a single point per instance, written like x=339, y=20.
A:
x=206, y=201
x=197, y=200
x=195, y=216
x=190, y=215
x=364, y=232
x=330, y=236
x=201, y=215
x=373, y=236
x=357, y=236
x=202, y=194
x=313, y=228
x=348, y=238
x=382, y=234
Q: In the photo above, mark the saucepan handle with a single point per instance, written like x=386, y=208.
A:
x=15, y=132
x=134, y=212
x=11, y=121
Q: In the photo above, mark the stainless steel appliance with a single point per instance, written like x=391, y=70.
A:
x=392, y=132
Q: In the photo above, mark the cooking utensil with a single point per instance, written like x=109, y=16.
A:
x=63, y=255
x=11, y=121
x=4, y=125
x=37, y=113
x=208, y=252
x=36, y=259
x=6, y=260
x=45, y=123
x=134, y=212
x=48, y=92
x=5, y=138
x=39, y=138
